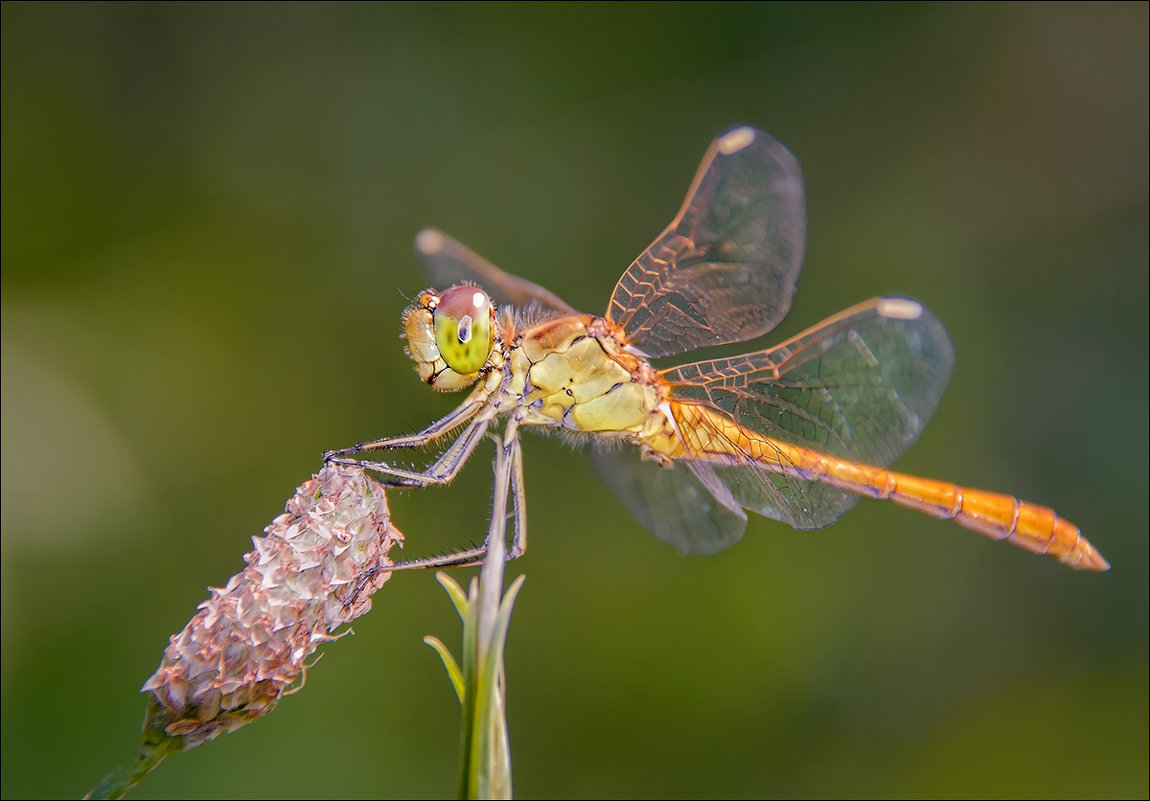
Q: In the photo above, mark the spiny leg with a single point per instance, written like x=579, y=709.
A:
x=455, y=418
x=508, y=469
x=442, y=471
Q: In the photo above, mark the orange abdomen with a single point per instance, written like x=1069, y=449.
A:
x=715, y=437
x=1002, y=517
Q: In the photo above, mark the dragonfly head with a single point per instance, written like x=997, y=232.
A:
x=450, y=335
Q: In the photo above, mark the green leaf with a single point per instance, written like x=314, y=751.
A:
x=455, y=592
x=453, y=671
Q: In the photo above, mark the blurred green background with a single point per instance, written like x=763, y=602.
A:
x=207, y=222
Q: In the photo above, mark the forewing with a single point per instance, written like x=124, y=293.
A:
x=859, y=386
x=446, y=262
x=724, y=270
x=683, y=504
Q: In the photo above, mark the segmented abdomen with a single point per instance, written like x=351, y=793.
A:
x=715, y=437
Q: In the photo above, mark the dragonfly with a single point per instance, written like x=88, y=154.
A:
x=797, y=432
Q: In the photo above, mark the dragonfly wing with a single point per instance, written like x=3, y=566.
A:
x=802, y=505
x=684, y=504
x=446, y=262
x=743, y=485
x=725, y=268
x=859, y=386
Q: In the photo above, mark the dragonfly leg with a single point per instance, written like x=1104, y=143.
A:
x=455, y=418
x=466, y=558
x=508, y=469
x=444, y=469
x=519, y=501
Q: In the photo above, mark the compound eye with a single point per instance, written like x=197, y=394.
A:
x=464, y=328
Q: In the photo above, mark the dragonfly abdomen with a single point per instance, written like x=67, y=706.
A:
x=1001, y=517
x=717, y=438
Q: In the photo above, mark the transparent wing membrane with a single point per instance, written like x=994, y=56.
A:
x=860, y=385
x=676, y=503
x=446, y=262
x=725, y=268
x=780, y=494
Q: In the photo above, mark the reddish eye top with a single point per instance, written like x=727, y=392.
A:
x=464, y=301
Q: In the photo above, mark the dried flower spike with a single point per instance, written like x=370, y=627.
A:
x=315, y=570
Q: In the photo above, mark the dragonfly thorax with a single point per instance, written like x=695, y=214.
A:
x=574, y=376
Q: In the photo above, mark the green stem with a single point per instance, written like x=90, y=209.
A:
x=155, y=746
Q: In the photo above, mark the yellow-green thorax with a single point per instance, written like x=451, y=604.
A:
x=570, y=372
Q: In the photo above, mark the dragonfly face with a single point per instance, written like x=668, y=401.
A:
x=797, y=432
x=450, y=336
